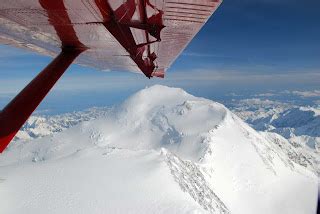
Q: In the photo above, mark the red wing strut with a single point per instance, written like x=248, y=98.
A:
x=14, y=115
x=133, y=35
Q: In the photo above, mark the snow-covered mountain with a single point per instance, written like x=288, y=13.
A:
x=161, y=151
x=40, y=126
x=299, y=124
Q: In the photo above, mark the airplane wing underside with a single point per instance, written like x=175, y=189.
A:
x=132, y=35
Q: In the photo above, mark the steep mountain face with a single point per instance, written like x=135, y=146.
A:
x=161, y=151
x=284, y=123
x=304, y=121
x=40, y=126
x=299, y=125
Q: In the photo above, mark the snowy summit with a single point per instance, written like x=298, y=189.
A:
x=161, y=151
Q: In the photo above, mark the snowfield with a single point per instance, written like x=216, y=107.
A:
x=299, y=124
x=161, y=151
x=284, y=124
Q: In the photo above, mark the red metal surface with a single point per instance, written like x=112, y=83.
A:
x=14, y=115
x=65, y=32
x=145, y=35
x=158, y=73
x=26, y=24
x=120, y=21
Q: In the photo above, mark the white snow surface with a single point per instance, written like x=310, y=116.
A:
x=300, y=125
x=161, y=151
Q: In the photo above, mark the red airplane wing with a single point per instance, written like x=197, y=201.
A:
x=132, y=35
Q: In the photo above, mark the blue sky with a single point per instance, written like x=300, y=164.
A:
x=248, y=46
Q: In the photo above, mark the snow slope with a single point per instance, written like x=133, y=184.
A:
x=298, y=124
x=161, y=151
x=283, y=124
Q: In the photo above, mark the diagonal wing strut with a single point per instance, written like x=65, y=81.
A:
x=14, y=115
x=118, y=22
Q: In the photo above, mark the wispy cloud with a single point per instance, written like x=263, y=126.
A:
x=207, y=56
x=314, y=93
x=8, y=52
x=258, y=101
x=242, y=76
x=195, y=54
x=268, y=94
